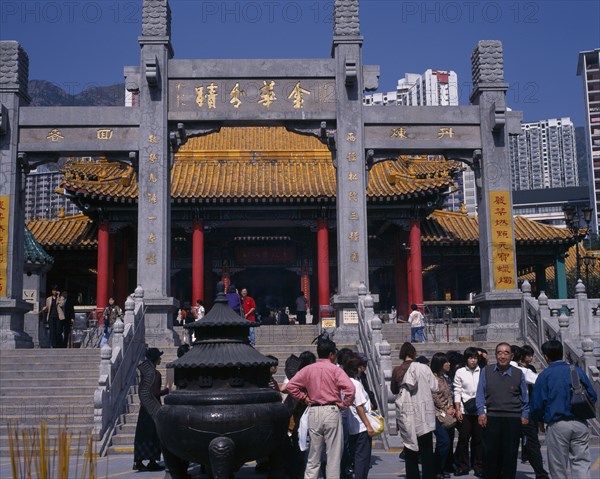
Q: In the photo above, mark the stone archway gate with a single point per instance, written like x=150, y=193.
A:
x=179, y=99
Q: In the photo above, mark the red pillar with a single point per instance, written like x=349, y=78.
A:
x=401, y=275
x=122, y=274
x=103, y=266
x=111, y=266
x=198, y=261
x=409, y=285
x=323, y=262
x=416, y=264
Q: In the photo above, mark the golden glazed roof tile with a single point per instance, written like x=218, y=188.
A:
x=259, y=163
x=443, y=227
x=70, y=232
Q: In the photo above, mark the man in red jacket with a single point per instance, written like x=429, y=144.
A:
x=249, y=307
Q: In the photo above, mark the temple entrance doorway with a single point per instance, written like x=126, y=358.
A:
x=271, y=287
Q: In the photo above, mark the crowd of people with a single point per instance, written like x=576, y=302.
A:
x=57, y=319
x=272, y=315
x=494, y=408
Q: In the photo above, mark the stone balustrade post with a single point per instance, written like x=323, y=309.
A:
x=526, y=290
x=583, y=311
x=362, y=293
x=369, y=316
x=543, y=314
x=118, y=329
x=129, y=316
x=138, y=294
x=377, y=334
x=587, y=345
x=563, y=322
x=543, y=305
x=101, y=406
x=385, y=368
x=105, y=357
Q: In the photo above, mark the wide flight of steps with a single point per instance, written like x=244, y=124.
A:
x=50, y=384
x=279, y=341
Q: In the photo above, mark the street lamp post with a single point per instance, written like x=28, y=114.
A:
x=572, y=220
x=588, y=260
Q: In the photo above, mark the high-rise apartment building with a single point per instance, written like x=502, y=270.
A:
x=588, y=69
x=41, y=200
x=432, y=88
x=544, y=155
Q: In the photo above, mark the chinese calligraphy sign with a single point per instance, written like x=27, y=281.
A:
x=502, y=242
x=4, y=206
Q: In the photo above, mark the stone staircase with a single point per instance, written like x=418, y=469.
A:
x=279, y=341
x=50, y=384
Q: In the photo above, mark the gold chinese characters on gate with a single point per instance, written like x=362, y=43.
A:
x=402, y=133
x=213, y=95
x=502, y=244
x=4, y=207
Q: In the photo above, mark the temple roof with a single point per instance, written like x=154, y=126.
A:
x=449, y=228
x=69, y=232
x=254, y=163
x=34, y=252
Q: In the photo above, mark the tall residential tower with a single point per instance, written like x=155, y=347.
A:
x=544, y=155
x=589, y=70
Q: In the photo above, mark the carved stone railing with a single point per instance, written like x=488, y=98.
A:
x=574, y=322
x=378, y=351
x=118, y=369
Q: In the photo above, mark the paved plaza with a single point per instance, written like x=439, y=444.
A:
x=385, y=465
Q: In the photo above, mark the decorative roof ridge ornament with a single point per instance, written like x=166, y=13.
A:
x=14, y=69
x=156, y=18
x=346, y=20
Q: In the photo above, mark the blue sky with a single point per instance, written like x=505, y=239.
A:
x=80, y=43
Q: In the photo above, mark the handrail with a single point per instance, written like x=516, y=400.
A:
x=546, y=319
x=378, y=352
x=118, y=369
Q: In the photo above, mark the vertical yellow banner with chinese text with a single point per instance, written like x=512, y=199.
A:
x=503, y=257
x=4, y=208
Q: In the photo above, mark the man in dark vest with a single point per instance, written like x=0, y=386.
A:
x=503, y=407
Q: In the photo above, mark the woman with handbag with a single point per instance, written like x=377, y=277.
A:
x=414, y=383
x=466, y=380
x=445, y=418
x=360, y=430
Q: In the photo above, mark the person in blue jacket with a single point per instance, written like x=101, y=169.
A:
x=567, y=437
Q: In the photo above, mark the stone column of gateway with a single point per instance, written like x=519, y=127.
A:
x=14, y=77
x=500, y=299
x=351, y=176
x=154, y=185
